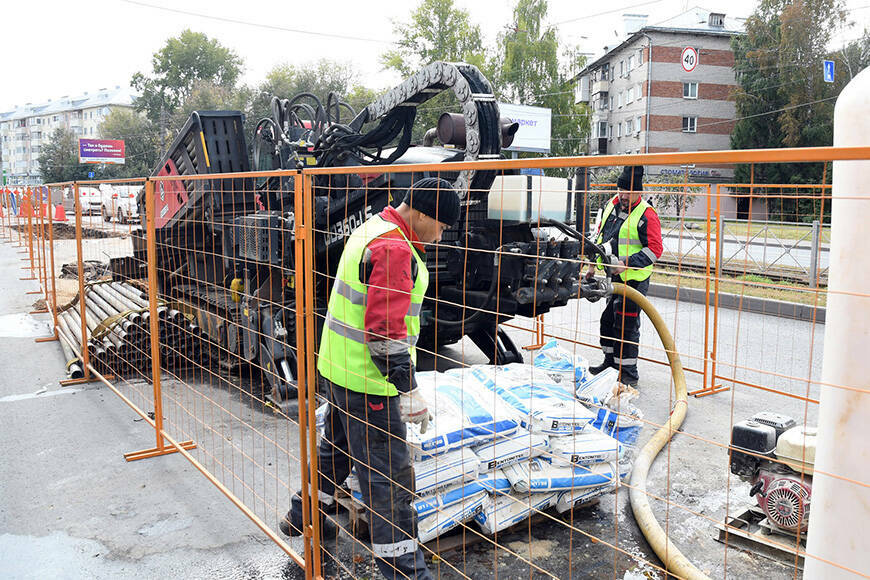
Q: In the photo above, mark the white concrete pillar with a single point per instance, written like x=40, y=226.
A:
x=839, y=529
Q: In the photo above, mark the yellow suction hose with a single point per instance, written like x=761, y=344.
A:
x=674, y=560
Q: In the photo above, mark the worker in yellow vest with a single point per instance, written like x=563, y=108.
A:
x=367, y=359
x=630, y=227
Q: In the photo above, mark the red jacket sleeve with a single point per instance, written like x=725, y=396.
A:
x=654, y=232
x=389, y=288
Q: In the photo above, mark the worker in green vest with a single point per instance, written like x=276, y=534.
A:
x=367, y=359
x=631, y=229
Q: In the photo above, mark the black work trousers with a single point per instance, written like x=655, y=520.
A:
x=366, y=431
x=620, y=332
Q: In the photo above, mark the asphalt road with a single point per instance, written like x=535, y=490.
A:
x=70, y=506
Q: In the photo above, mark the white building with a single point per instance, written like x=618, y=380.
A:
x=25, y=130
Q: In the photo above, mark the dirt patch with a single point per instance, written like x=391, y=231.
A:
x=65, y=231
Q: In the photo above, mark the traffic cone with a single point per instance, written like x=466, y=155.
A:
x=59, y=213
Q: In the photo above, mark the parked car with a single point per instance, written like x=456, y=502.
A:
x=91, y=199
x=119, y=202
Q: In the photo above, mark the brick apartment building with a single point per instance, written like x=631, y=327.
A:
x=644, y=100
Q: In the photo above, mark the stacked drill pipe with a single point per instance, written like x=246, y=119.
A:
x=119, y=331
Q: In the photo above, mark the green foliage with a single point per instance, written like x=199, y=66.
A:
x=528, y=72
x=779, y=68
x=59, y=158
x=178, y=67
x=437, y=30
x=141, y=143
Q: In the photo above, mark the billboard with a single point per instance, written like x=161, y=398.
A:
x=535, y=125
x=101, y=151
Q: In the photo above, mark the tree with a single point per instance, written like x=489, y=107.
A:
x=59, y=158
x=528, y=72
x=782, y=100
x=318, y=78
x=141, y=143
x=206, y=96
x=184, y=61
x=436, y=31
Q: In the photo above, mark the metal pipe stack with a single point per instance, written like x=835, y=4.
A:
x=125, y=349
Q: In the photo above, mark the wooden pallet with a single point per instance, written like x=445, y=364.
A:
x=459, y=539
x=750, y=531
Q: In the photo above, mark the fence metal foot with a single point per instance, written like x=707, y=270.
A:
x=711, y=391
x=68, y=382
x=157, y=451
x=45, y=338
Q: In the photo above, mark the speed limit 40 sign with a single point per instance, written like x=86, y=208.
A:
x=689, y=59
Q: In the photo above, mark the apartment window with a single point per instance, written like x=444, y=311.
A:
x=630, y=63
x=611, y=103
x=629, y=95
x=619, y=99
x=619, y=129
x=690, y=90
x=622, y=68
x=54, y=119
x=637, y=124
x=602, y=129
x=639, y=92
x=610, y=131
x=629, y=127
x=640, y=57
x=690, y=124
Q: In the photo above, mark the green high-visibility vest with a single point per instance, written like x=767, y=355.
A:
x=344, y=357
x=629, y=239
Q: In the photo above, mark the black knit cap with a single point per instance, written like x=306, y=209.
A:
x=436, y=198
x=631, y=178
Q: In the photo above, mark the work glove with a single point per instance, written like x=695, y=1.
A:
x=413, y=408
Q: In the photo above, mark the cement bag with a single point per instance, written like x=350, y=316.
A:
x=541, y=410
x=511, y=449
x=568, y=499
x=563, y=367
x=584, y=448
x=444, y=520
x=464, y=414
x=495, y=482
x=445, y=470
x=539, y=476
x=506, y=510
x=600, y=388
x=624, y=429
x=447, y=497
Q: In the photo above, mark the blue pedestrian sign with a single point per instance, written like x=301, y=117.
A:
x=829, y=71
x=91, y=173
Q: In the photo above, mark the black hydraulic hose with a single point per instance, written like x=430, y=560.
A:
x=493, y=285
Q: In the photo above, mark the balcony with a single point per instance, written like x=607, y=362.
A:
x=598, y=146
x=600, y=87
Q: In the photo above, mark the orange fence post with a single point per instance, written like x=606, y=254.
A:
x=160, y=447
x=710, y=355
x=302, y=187
x=50, y=295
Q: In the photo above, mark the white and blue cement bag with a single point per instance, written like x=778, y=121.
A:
x=447, y=497
x=511, y=449
x=444, y=470
x=585, y=448
x=539, y=476
x=464, y=414
x=564, y=367
x=443, y=520
x=506, y=510
x=599, y=389
x=540, y=409
x=495, y=482
x=568, y=499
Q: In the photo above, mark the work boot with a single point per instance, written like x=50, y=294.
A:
x=291, y=524
x=601, y=368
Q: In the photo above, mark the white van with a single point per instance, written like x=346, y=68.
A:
x=119, y=202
